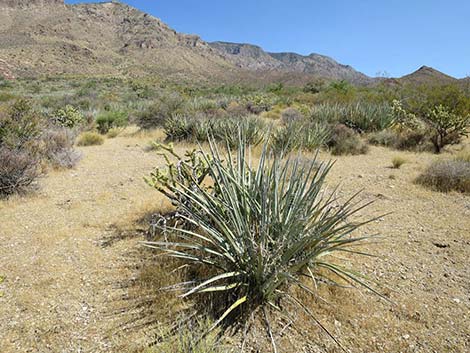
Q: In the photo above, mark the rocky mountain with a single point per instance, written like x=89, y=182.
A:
x=48, y=37
x=252, y=57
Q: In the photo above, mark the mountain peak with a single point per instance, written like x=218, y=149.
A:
x=428, y=75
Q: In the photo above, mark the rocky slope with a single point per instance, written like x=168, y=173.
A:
x=47, y=37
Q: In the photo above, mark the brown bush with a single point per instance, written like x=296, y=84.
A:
x=344, y=141
x=18, y=170
x=58, y=148
x=445, y=176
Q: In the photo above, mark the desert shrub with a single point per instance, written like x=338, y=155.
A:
x=397, y=162
x=300, y=135
x=445, y=176
x=361, y=116
x=234, y=109
x=447, y=127
x=441, y=124
x=58, y=147
x=256, y=104
x=68, y=117
x=178, y=128
x=156, y=114
x=19, y=169
x=110, y=120
x=257, y=232
x=385, y=138
x=286, y=138
x=113, y=133
x=20, y=126
x=344, y=141
x=226, y=130
x=90, y=138
x=314, y=136
x=413, y=140
x=291, y=115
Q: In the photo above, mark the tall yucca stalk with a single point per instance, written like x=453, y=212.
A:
x=262, y=228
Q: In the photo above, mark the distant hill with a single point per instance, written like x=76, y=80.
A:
x=427, y=75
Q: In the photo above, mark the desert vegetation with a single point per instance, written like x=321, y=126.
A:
x=259, y=244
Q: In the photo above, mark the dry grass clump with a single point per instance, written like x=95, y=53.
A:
x=90, y=138
x=463, y=155
x=397, y=162
x=447, y=175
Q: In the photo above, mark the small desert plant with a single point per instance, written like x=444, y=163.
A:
x=90, y=138
x=111, y=120
x=68, y=117
x=445, y=176
x=397, y=162
x=258, y=231
x=344, y=141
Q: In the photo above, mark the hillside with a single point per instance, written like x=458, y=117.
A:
x=47, y=37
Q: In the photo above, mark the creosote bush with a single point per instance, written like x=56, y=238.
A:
x=447, y=175
x=252, y=231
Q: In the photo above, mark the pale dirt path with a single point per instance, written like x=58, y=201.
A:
x=61, y=286
x=59, y=281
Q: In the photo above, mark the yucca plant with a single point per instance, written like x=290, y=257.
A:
x=261, y=229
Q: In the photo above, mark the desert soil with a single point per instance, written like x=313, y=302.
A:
x=64, y=283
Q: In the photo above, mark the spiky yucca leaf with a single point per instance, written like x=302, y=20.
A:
x=261, y=229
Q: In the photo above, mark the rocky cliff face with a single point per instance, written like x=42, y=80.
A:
x=29, y=3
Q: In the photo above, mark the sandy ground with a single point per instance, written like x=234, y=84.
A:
x=63, y=289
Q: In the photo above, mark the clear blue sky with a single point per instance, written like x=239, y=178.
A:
x=396, y=36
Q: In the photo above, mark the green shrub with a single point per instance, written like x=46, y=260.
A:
x=257, y=232
x=68, y=117
x=90, y=139
x=156, y=114
x=344, y=141
x=445, y=176
x=111, y=120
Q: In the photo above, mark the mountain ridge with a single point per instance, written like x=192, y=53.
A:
x=48, y=37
